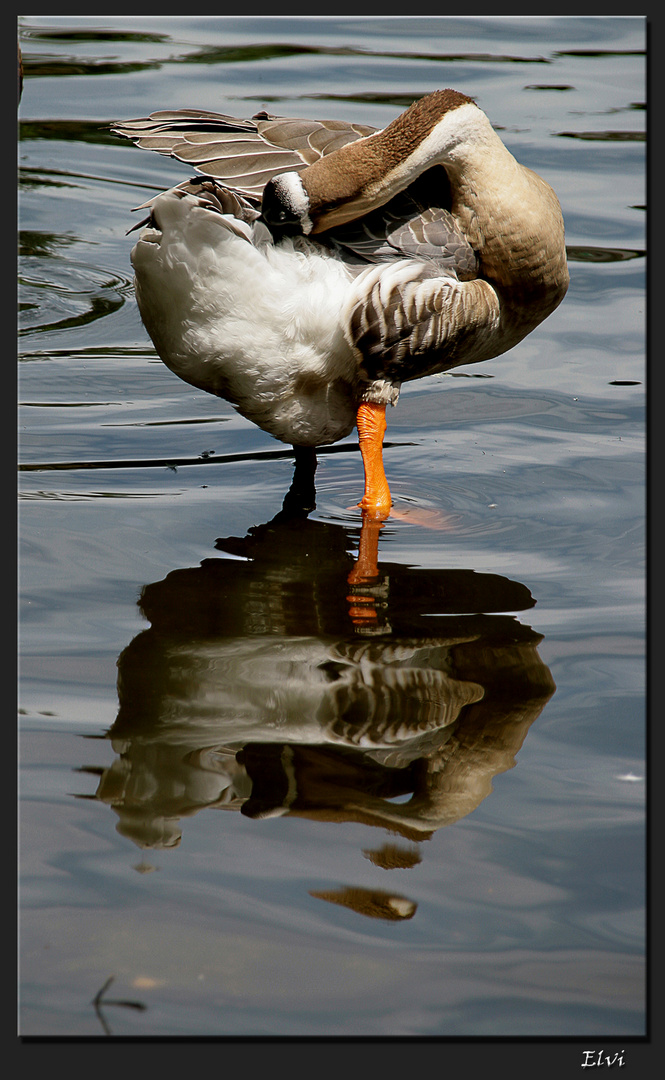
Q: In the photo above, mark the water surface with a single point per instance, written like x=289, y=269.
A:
x=219, y=806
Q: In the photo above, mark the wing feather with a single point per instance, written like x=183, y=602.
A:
x=408, y=320
x=244, y=153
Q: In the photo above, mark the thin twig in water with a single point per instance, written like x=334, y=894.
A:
x=97, y=1003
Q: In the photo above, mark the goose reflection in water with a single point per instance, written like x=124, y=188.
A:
x=268, y=684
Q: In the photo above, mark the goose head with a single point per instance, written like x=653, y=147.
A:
x=444, y=127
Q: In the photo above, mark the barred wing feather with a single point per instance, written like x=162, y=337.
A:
x=409, y=319
x=246, y=154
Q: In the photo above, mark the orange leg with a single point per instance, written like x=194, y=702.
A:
x=367, y=564
x=362, y=602
x=371, y=424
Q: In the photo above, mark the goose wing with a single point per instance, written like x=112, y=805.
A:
x=244, y=154
x=406, y=229
x=412, y=318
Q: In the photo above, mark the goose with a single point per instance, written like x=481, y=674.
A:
x=311, y=267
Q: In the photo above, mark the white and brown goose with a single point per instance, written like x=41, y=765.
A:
x=315, y=266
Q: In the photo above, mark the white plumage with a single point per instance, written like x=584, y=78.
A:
x=253, y=322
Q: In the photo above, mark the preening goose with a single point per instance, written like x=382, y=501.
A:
x=315, y=266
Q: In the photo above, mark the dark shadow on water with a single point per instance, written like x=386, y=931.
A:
x=268, y=684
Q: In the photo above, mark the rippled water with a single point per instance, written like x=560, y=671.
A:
x=261, y=801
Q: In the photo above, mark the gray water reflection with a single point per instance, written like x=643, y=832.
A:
x=268, y=684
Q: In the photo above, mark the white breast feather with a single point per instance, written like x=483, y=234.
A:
x=258, y=326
